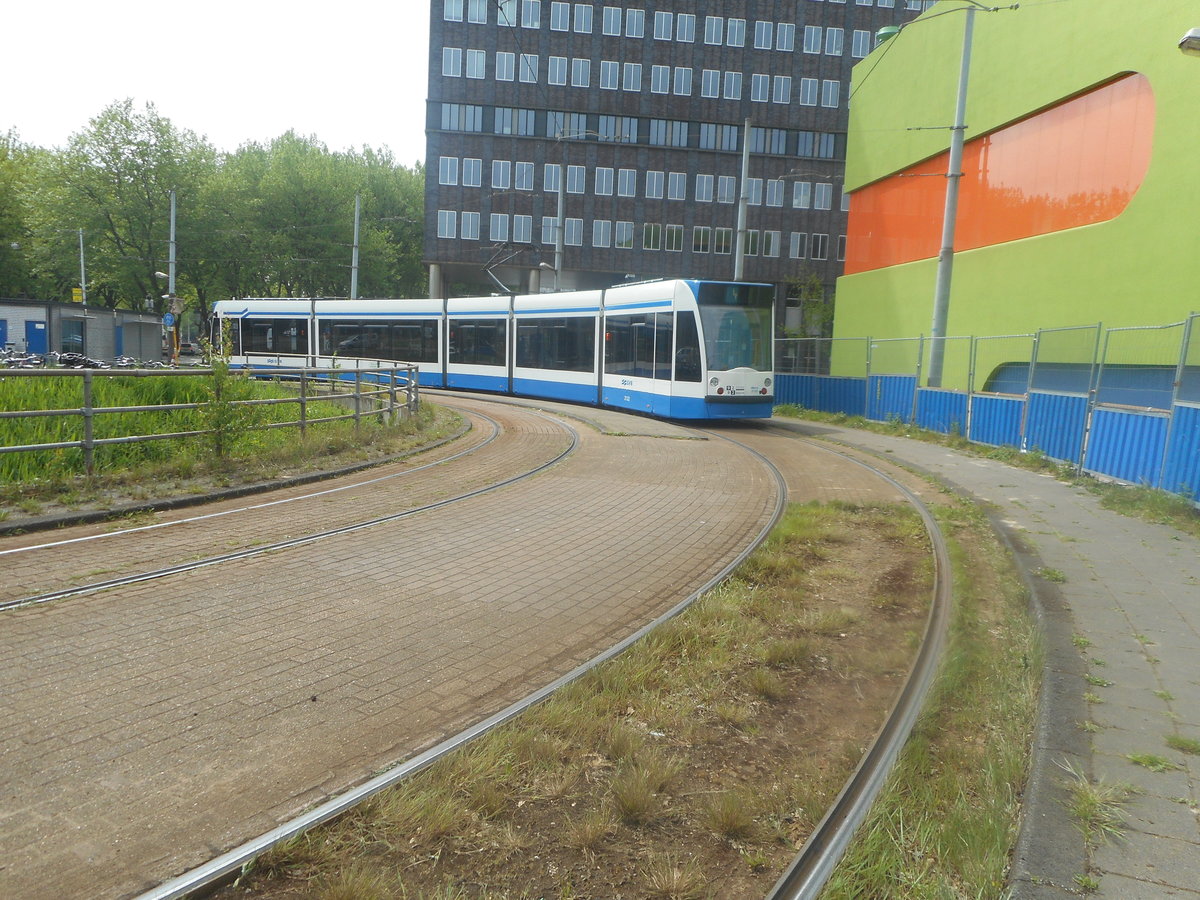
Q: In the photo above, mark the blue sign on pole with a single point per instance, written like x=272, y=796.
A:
x=168, y=320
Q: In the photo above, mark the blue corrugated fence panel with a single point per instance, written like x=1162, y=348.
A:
x=1127, y=445
x=824, y=393
x=890, y=397
x=1181, y=473
x=943, y=411
x=996, y=420
x=1055, y=425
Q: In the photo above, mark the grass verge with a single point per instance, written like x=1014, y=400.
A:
x=695, y=764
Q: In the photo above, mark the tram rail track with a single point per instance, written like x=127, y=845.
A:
x=275, y=546
x=811, y=868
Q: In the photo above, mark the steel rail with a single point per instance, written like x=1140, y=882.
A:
x=208, y=875
x=292, y=542
x=253, y=507
x=812, y=867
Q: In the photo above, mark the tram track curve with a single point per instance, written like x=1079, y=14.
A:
x=811, y=868
x=38, y=552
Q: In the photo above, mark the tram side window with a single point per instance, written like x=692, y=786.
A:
x=629, y=345
x=275, y=336
x=478, y=342
x=563, y=344
x=415, y=342
x=687, y=348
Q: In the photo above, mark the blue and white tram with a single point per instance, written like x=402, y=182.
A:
x=678, y=349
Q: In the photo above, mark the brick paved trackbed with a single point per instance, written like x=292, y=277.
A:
x=146, y=728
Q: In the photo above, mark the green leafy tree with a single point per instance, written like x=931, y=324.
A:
x=16, y=174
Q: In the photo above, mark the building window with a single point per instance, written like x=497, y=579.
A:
x=663, y=26
x=447, y=223
x=701, y=239
x=633, y=76
x=531, y=13
x=760, y=88
x=685, y=28
x=629, y=130
x=604, y=181
x=560, y=16
x=477, y=11
x=476, y=63
x=602, y=233
x=808, y=92
x=583, y=18
x=651, y=237
x=860, y=45
x=812, y=38
x=612, y=21
x=573, y=232
x=506, y=66
x=498, y=227
x=845, y=202
x=556, y=126
x=654, y=185
x=576, y=179
x=802, y=195
x=710, y=83
x=462, y=117
x=830, y=93
x=523, y=176
x=452, y=10
x=626, y=182
x=550, y=176
x=754, y=191
x=624, y=236
x=798, y=245
x=763, y=33
x=501, y=174
x=677, y=186
x=726, y=188
x=783, y=89
x=735, y=33
x=556, y=73
x=775, y=192
x=683, y=81
x=729, y=135
x=523, y=229
x=750, y=244
x=778, y=141
x=834, y=39
x=771, y=241
x=818, y=248
x=635, y=23
x=506, y=12
x=549, y=230
x=610, y=73
x=529, y=68
x=472, y=172
x=723, y=241
x=674, y=238
x=714, y=30
x=660, y=79
x=452, y=62
x=826, y=146
x=470, y=226
x=581, y=73
x=785, y=37
x=841, y=248
x=758, y=140
x=733, y=85
x=823, y=196
x=704, y=188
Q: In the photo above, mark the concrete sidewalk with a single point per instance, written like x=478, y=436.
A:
x=1123, y=642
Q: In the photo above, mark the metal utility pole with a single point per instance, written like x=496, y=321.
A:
x=739, y=257
x=82, y=271
x=354, y=256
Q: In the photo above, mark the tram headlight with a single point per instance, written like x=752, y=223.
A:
x=767, y=381
x=714, y=381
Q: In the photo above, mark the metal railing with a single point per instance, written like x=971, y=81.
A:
x=384, y=389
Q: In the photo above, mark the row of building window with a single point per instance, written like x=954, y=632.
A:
x=621, y=235
x=657, y=185
x=616, y=21
x=714, y=83
x=558, y=125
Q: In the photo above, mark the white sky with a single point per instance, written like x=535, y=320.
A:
x=350, y=72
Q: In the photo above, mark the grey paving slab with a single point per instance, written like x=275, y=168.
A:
x=1131, y=589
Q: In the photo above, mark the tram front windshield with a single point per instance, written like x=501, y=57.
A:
x=737, y=325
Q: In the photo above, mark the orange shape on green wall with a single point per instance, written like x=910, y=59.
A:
x=1077, y=163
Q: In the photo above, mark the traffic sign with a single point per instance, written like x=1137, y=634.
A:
x=168, y=320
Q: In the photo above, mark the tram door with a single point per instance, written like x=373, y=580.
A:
x=661, y=373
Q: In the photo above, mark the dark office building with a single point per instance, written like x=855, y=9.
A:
x=638, y=112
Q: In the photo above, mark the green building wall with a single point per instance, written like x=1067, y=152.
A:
x=1141, y=268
